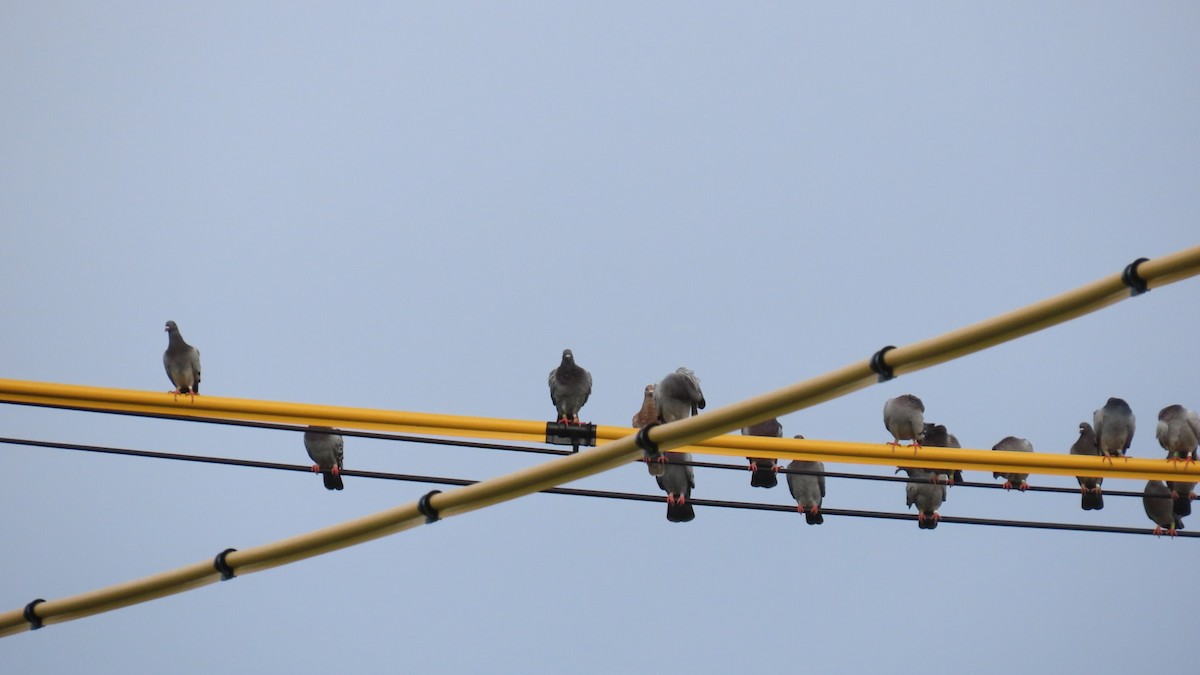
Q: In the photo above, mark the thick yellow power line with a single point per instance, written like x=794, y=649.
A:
x=1152, y=274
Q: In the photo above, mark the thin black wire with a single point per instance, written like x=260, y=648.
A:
x=604, y=494
x=546, y=451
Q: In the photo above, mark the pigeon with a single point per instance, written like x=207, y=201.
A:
x=182, y=362
x=678, y=396
x=936, y=436
x=904, y=417
x=806, y=489
x=1093, y=498
x=1114, y=425
x=1178, y=433
x=677, y=481
x=1156, y=499
x=1013, y=444
x=570, y=386
x=763, y=469
x=325, y=448
x=927, y=496
x=649, y=413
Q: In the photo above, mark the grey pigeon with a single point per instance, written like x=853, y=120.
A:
x=1013, y=444
x=1156, y=499
x=677, y=481
x=926, y=495
x=1178, y=433
x=570, y=386
x=326, y=449
x=936, y=436
x=648, y=414
x=676, y=397
x=1114, y=424
x=904, y=417
x=182, y=362
x=806, y=489
x=763, y=469
x=1093, y=498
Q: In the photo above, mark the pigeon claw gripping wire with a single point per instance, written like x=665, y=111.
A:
x=35, y=621
x=222, y=566
x=1130, y=277
x=426, y=509
x=880, y=367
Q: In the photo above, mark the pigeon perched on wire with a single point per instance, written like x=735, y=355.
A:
x=1178, y=433
x=325, y=448
x=1089, y=487
x=807, y=489
x=904, y=417
x=182, y=362
x=763, y=469
x=570, y=386
x=677, y=481
x=676, y=397
x=1114, y=425
x=926, y=495
x=1156, y=499
x=1013, y=479
x=936, y=436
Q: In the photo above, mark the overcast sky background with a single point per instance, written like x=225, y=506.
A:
x=418, y=206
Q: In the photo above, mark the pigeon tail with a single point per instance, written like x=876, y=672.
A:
x=929, y=522
x=813, y=516
x=1183, y=506
x=680, y=512
x=1092, y=500
x=333, y=481
x=764, y=478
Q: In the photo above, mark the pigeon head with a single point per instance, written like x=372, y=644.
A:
x=568, y=357
x=650, y=391
x=171, y=327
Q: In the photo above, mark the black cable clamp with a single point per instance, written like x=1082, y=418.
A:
x=880, y=367
x=426, y=509
x=574, y=435
x=1130, y=277
x=220, y=565
x=35, y=621
x=643, y=440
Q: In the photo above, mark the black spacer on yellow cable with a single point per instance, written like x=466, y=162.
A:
x=35, y=621
x=220, y=565
x=1130, y=277
x=643, y=440
x=426, y=509
x=880, y=367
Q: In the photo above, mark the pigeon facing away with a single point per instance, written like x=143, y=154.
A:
x=1178, y=433
x=570, y=386
x=648, y=413
x=325, y=448
x=677, y=481
x=1013, y=444
x=904, y=417
x=1156, y=499
x=927, y=496
x=1093, y=498
x=1114, y=424
x=936, y=436
x=763, y=469
x=182, y=362
x=807, y=490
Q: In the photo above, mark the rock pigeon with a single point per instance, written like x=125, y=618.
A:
x=182, y=362
x=763, y=469
x=904, y=417
x=1156, y=499
x=325, y=448
x=677, y=481
x=1013, y=444
x=806, y=489
x=1178, y=433
x=1114, y=424
x=678, y=396
x=1093, y=498
x=570, y=386
x=927, y=495
x=936, y=436
x=648, y=413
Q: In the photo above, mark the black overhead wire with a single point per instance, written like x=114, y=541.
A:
x=406, y=438
x=603, y=494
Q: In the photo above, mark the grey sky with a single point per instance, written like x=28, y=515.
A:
x=417, y=207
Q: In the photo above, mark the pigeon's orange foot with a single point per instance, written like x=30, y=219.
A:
x=1007, y=485
x=1024, y=486
x=316, y=468
x=335, y=470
